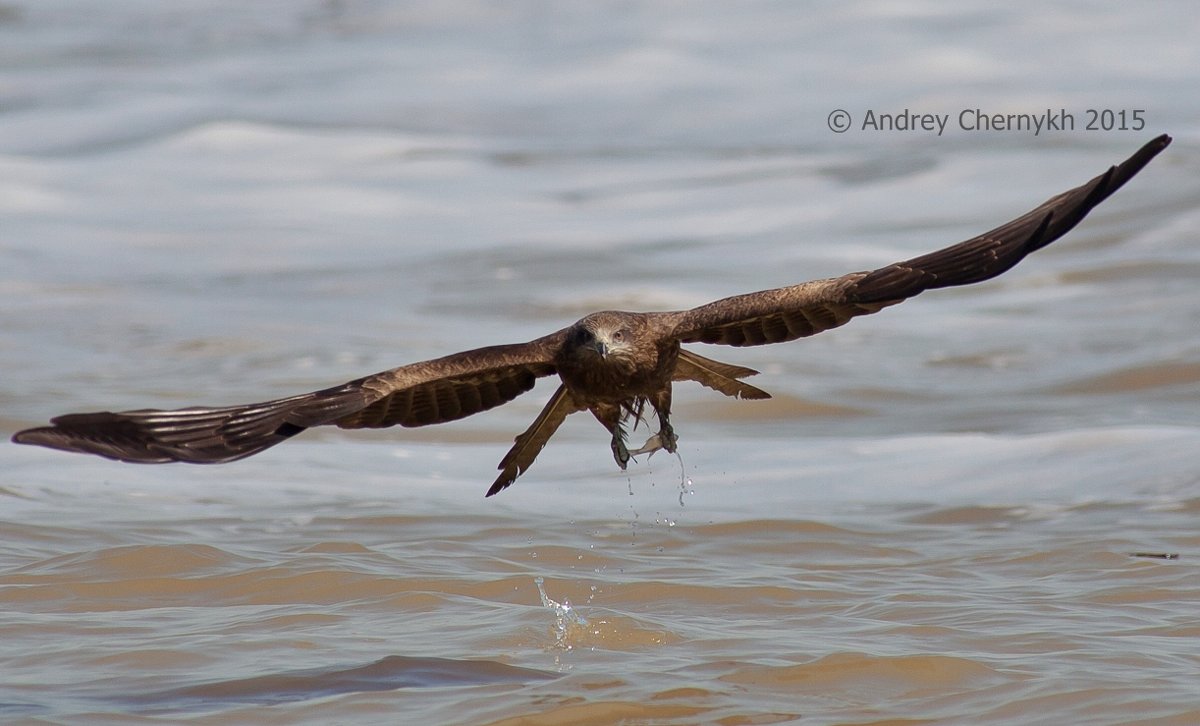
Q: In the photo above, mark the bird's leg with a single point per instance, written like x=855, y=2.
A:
x=610, y=417
x=620, y=452
x=665, y=438
x=667, y=434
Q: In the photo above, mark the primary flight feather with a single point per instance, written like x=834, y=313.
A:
x=611, y=363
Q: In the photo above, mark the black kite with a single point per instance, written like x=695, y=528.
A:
x=610, y=363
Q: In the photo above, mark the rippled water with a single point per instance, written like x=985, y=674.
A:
x=977, y=507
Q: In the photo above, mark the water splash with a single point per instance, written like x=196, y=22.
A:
x=567, y=622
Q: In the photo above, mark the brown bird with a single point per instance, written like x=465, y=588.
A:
x=611, y=363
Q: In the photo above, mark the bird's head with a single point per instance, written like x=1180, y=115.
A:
x=607, y=336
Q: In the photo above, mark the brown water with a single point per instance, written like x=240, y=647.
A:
x=136, y=605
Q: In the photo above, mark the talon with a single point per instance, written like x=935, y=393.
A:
x=620, y=453
x=668, y=439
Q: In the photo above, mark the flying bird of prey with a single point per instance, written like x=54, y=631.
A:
x=611, y=363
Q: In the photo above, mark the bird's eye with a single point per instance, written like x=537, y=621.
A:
x=618, y=336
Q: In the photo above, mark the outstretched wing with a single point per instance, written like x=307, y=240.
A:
x=775, y=316
x=419, y=394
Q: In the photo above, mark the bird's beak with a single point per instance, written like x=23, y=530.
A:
x=601, y=348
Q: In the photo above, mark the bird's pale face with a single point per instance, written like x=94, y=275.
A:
x=603, y=338
x=607, y=343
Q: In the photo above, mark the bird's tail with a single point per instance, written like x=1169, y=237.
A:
x=722, y=377
x=530, y=443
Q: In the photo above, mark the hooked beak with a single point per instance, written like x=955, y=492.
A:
x=601, y=348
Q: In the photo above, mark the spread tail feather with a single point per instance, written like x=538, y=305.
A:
x=530, y=443
x=722, y=377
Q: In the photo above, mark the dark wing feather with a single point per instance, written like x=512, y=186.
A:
x=454, y=387
x=775, y=316
x=419, y=394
